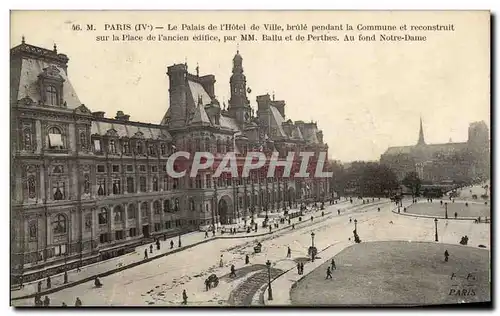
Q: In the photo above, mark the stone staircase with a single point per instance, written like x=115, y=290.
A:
x=243, y=294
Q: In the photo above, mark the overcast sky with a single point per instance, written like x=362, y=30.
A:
x=365, y=96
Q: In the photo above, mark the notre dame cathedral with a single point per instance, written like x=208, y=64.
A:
x=85, y=187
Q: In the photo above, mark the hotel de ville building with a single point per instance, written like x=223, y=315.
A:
x=86, y=187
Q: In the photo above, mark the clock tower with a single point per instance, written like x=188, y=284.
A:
x=239, y=106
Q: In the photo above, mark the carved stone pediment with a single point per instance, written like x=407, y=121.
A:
x=82, y=109
x=52, y=72
x=112, y=132
x=27, y=101
x=139, y=134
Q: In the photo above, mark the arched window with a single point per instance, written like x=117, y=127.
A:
x=103, y=216
x=191, y=205
x=219, y=146
x=31, y=187
x=131, y=211
x=157, y=207
x=118, y=213
x=126, y=148
x=155, y=184
x=55, y=138
x=163, y=150
x=59, y=224
x=144, y=209
x=51, y=95
x=166, y=206
x=176, y=206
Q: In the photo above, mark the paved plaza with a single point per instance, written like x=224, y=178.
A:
x=435, y=208
x=160, y=282
x=399, y=273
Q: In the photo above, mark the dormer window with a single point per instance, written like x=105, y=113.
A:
x=51, y=86
x=126, y=148
x=97, y=145
x=51, y=95
x=112, y=147
x=139, y=148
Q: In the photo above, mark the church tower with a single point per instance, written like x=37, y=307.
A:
x=421, y=140
x=239, y=106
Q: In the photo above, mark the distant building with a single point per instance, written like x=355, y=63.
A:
x=441, y=162
x=86, y=187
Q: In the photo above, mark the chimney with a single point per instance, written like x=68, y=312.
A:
x=208, y=83
x=98, y=114
x=121, y=116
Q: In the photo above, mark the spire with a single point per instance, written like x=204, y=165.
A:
x=421, y=140
x=197, y=70
x=22, y=40
x=55, y=48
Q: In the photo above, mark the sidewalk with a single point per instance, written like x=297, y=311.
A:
x=285, y=281
x=107, y=267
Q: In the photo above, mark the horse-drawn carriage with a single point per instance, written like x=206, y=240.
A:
x=212, y=281
x=258, y=248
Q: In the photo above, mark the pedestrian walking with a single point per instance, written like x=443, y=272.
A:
x=289, y=253
x=338, y=212
x=145, y=253
x=49, y=283
x=247, y=259
x=46, y=301
x=213, y=232
x=164, y=237
x=39, y=286
x=158, y=244
x=206, y=234
x=151, y=248
x=328, y=273
x=64, y=305
x=180, y=244
x=302, y=268
x=350, y=220
x=446, y=255
x=298, y=268
x=233, y=271
x=456, y=215
x=184, y=297
x=37, y=300
x=78, y=302
x=171, y=244
x=334, y=267
x=221, y=263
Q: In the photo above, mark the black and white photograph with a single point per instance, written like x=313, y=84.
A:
x=250, y=158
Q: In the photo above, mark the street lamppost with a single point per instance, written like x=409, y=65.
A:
x=436, y=224
x=446, y=210
x=269, y=290
x=66, y=267
x=312, y=247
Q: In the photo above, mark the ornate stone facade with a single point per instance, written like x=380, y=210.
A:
x=444, y=162
x=86, y=187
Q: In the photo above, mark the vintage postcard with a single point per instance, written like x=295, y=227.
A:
x=250, y=158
